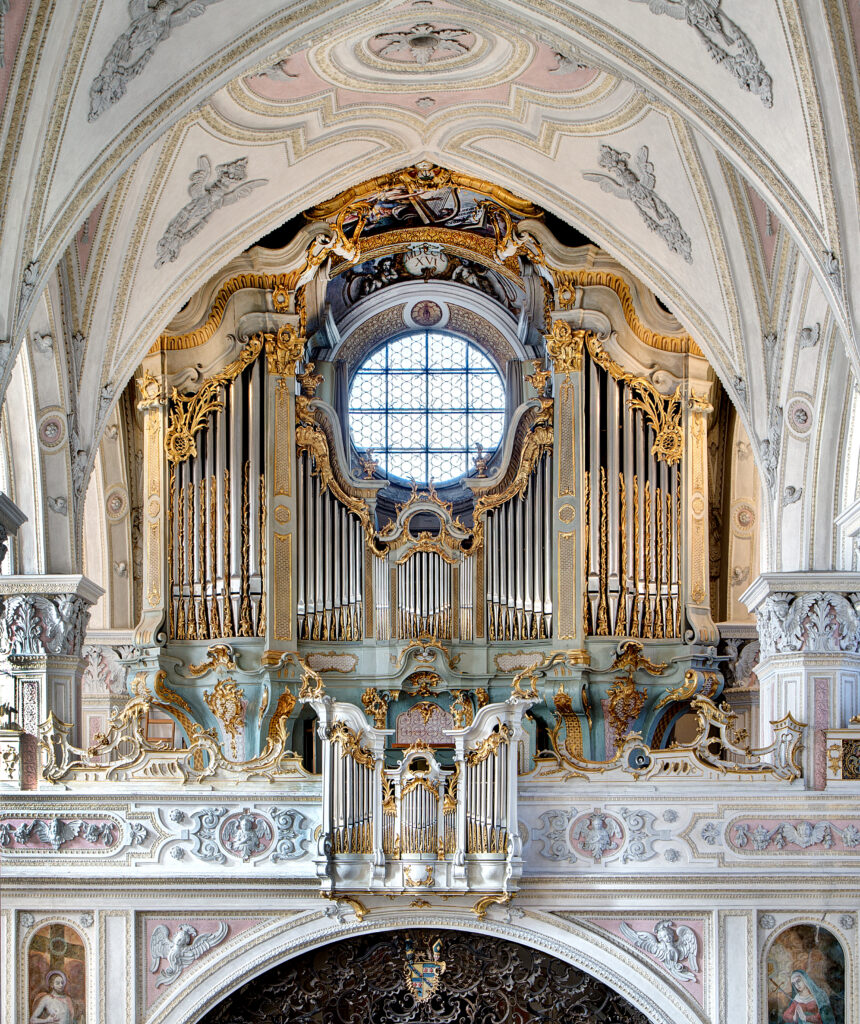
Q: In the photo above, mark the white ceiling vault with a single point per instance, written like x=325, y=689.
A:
x=709, y=145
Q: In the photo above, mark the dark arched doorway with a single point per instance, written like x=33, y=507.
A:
x=422, y=975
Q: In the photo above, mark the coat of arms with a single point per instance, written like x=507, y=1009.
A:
x=422, y=976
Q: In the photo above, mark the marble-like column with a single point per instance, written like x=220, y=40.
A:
x=42, y=629
x=809, y=630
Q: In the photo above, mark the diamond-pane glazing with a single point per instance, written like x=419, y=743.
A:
x=423, y=402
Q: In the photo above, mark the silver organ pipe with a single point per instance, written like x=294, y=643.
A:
x=486, y=795
x=518, y=560
x=215, y=520
x=330, y=563
x=633, y=532
x=424, y=585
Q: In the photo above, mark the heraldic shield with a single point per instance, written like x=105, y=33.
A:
x=422, y=976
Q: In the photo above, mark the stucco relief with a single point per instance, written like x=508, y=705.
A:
x=423, y=44
x=174, y=944
x=596, y=835
x=209, y=192
x=819, y=622
x=218, y=837
x=151, y=24
x=726, y=43
x=773, y=835
x=638, y=186
x=35, y=625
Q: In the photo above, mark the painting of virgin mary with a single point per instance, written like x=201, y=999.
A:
x=806, y=977
x=810, y=1004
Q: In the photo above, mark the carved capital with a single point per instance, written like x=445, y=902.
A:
x=819, y=622
x=38, y=625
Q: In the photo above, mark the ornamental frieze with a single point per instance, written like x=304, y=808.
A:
x=55, y=833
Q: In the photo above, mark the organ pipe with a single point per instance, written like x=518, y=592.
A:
x=518, y=575
x=215, y=520
x=329, y=576
x=631, y=519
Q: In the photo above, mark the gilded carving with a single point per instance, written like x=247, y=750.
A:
x=227, y=704
x=189, y=413
x=341, y=733
x=376, y=705
x=220, y=656
x=283, y=445
x=284, y=351
x=625, y=704
x=564, y=347
x=663, y=412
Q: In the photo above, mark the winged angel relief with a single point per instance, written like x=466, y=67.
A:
x=182, y=950
x=624, y=182
x=670, y=945
x=151, y=23
x=208, y=194
x=725, y=42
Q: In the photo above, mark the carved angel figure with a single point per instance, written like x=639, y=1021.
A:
x=182, y=950
x=151, y=23
x=638, y=187
x=208, y=194
x=596, y=834
x=724, y=40
x=245, y=835
x=670, y=945
x=54, y=833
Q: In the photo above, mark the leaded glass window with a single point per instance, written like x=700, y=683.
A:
x=423, y=403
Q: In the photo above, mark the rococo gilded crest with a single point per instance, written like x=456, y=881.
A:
x=423, y=976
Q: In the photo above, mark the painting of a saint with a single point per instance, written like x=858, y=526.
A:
x=57, y=976
x=806, y=977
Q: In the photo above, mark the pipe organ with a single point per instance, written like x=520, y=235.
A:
x=632, y=527
x=571, y=564
x=424, y=587
x=419, y=824
x=518, y=561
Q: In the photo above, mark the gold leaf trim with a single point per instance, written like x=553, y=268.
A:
x=567, y=280
x=279, y=284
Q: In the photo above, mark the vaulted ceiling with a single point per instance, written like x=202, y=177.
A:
x=709, y=145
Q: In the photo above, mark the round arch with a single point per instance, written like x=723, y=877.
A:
x=226, y=969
